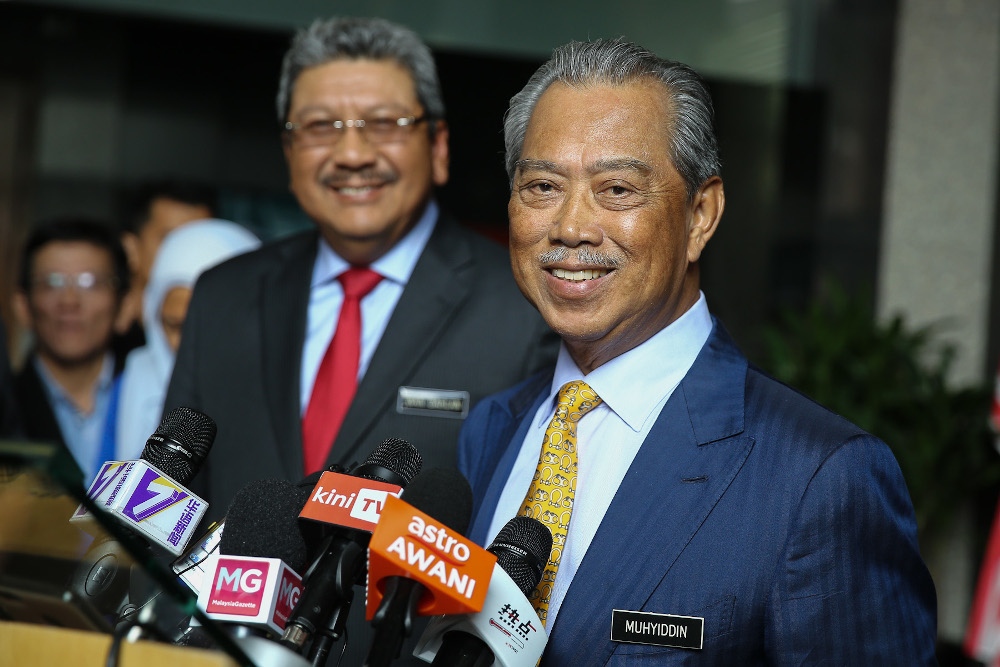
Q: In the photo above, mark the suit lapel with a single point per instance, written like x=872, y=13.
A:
x=687, y=461
x=507, y=426
x=284, y=307
x=430, y=300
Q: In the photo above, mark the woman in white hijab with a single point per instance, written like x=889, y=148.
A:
x=185, y=253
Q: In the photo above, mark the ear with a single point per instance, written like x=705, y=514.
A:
x=706, y=211
x=22, y=310
x=440, y=158
x=131, y=244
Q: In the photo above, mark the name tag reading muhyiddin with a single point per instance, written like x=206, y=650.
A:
x=640, y=627
x=432, y=402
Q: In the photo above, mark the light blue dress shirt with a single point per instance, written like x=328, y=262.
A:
x=84, y=433
x=326, y=296
x=634, y=387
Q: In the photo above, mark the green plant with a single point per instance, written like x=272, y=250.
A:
x=891, y=380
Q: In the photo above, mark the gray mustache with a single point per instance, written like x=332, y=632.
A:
x=582, y=255
x=344, y=176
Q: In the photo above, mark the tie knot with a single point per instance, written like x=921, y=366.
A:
x=358, y=281
x=577, y=398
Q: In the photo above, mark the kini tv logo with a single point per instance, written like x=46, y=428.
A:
x=345, y=500
x=154, y=493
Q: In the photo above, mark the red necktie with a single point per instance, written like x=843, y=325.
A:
x=337, y=378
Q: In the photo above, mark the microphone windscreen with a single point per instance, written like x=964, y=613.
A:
x=180, y=443
x=263, y=522
x=522, y=548
x=394, y=461
x=444, y=494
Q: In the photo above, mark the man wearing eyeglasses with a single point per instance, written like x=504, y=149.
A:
x=73, y=276
x=389, y=319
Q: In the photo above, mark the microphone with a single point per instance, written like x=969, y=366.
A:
x=255, y=582
x=192, y=566
x=350, y=506
x=149, y=502
x=149, y=496
x=507, y=630
x=418, y=559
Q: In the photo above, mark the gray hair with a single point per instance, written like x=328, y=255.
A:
x=692, y=145
x=357, y=38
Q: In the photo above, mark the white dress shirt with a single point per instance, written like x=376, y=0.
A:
x=326, y=295
x=634, y=387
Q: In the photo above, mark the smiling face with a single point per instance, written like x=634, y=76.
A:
x=72, y=324
x=604, y=239
x=363, y=196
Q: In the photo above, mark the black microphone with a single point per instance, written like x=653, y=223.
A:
x=263, y=522
x=191, y=565
x=177, y=449
x=325, y=603
x=522, y=548
x=256, y=581
x=180, y=444
x=444, y=494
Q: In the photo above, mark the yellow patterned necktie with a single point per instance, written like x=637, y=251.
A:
x=550, y=496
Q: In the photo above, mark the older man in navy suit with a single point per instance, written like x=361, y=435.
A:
x=702, y=513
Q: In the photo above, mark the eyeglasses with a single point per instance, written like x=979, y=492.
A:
x=378, y=130
x=87, y=281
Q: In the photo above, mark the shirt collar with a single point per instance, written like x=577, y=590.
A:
x=633, y=384
x=56, y=391
x=396, y=265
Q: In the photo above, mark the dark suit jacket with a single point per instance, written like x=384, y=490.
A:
x=37, y=419
x=461, y=324
x=10, y=415
x=787, y=528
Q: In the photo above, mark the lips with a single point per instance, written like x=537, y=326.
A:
x=578, y=276
x=359, y=183
x=356, y=190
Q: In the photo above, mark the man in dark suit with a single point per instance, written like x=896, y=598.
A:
x=702, y=513
x=366, y=142
x=444, y=325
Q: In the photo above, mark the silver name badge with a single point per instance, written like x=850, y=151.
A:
x=432, y=402
x=640, y=627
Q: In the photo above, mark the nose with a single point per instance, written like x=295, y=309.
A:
x=69, y=296
x=576, y=220
x=354, y=150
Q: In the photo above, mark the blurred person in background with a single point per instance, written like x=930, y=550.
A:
x=73, y=277
x=184, y=254
x=152, y=211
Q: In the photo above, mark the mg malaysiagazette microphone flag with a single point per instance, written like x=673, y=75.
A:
x=454, y=571
x=260, y=592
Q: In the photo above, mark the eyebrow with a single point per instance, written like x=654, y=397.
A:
x=540, y=165
x=611, y=164
x=614, y=164
x=320, y=107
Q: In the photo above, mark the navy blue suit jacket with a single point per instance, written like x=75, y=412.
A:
x=787, y=528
